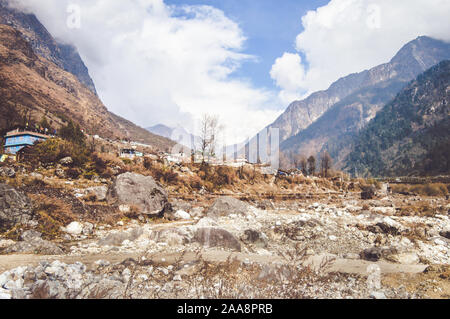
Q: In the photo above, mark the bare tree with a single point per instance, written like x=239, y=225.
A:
x=311, y=165
x=208, y=136
x=285, y=161
x=325, y=163
x=304, y=165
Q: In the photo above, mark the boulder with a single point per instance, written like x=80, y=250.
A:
x=254, y=237
x=216, y=237
x=74, y=228
x=368, y=192
x=7, y=172
x=66, y=161
x=445, y=233
x=35, y=246
x=376, y=253
x=31, y=235
x=181, y=214
x=60, y=173
x=404, y=258
x=117, y=238
x=15, y=208
x=139, y=191
x=228, y=205
x=99, y=192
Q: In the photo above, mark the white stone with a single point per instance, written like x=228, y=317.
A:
x=440, y=242
x=164, y=271
x=126, y=272
x=4, y=278
x=126, y=242
x=143, y=277
x=177, y=278
x=4, y=294
x=377, y=295
x=181, y=214
x=332, y=238
x=74, y=228
x=124, y=208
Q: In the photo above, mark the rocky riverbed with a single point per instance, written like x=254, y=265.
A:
x=339, y=247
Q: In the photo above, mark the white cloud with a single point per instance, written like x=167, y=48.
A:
x=153, y=63
x=289, y=74
x=348, y=36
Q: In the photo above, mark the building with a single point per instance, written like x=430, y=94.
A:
x=18, y=139
x=130, y=154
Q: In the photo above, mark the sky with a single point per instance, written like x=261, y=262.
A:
x=245, y=61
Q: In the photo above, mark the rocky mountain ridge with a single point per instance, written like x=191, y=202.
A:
x=327, y=117
x=411, y=134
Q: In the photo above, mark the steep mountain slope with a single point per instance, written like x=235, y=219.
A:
x=327, y=119
x=63, y=55
x=411, y=135
x=32, y=86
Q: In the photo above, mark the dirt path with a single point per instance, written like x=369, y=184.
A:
x=339, y=265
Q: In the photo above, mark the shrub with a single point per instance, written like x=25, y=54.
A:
x=73, y=173
x=53, y=150
x=52, y=214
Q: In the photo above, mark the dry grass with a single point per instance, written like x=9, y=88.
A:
x=52, y=214
x=437, y=189
x=420, y=209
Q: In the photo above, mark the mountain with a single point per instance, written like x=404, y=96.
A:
x=328, y=119
x=177, y=134
x=63, y=55
x=161, y=130
x=410, y=135
x=34, y=84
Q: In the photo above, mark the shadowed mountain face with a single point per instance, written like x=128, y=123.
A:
x=327, y=119
x=34, y=83
x=410, y=135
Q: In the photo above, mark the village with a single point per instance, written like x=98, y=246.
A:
x=130, y=222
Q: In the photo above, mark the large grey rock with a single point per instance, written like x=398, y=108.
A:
x=140, y=191
x=35, y=246
x=117, y=238
x=216, y=237
x=15, y=207
x=228, y=205
x=31, y=235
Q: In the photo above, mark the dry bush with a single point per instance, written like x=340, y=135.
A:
x=53, y=150
x=235, y=280
x=437, y=189
x=420, y=209
x=374, y=182
x=52, y=214
x=399, y=188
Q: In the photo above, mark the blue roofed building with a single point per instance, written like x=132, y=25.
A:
x=17, y=140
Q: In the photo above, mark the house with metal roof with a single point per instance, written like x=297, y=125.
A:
x=18, y=139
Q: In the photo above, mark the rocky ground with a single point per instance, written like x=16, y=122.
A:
x=333, y=246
